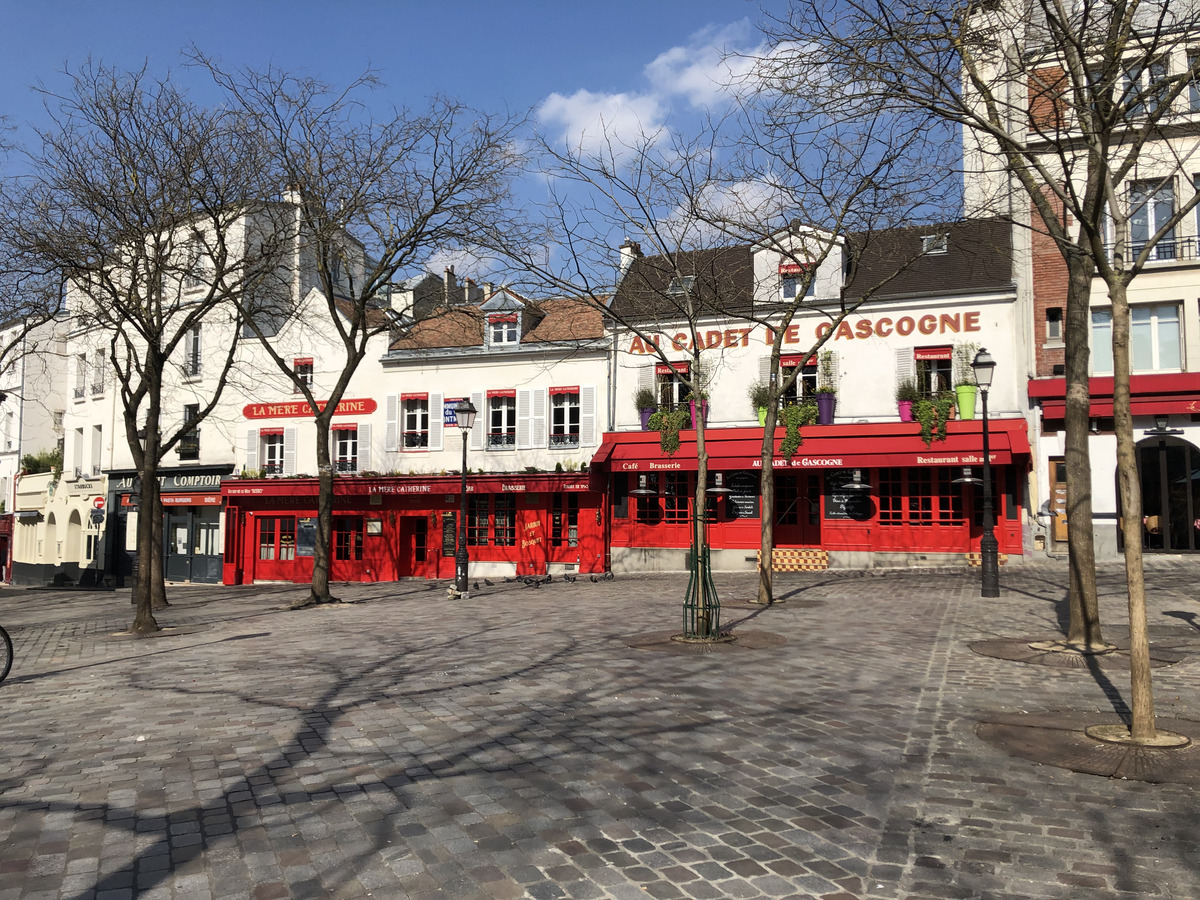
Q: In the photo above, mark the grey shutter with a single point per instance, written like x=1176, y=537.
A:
x=289, y=451
x=537, y=419
x=764, y=369
x=364, y=448
x=587, y=416
x=391, y=436
x=835, y=370
x=436, y=421
x=524, y=420
x=251, y=449
x=905, y=369
x=481, y=421
x=646, y=378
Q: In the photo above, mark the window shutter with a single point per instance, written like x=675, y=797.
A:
x=587, y=416
x=251, y=449
x=835, y=371
x=481, y=421
x=905, y=370
x=764, y=369
x=524, y=420
x=437, y=421
x=289, y=451
x=391, y=437
x=646, y=377
x=537, y=419
x=364, y=448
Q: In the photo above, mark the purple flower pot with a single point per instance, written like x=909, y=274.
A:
x=644, y=415
x=703, y=411
x=825, y=406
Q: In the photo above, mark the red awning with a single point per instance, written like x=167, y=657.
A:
x=1168, y=393
x=832, y=447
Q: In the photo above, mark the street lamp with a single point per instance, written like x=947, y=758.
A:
x=984, y=365
x=464, y=418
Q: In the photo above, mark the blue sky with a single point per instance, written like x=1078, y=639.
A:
x=572, y=59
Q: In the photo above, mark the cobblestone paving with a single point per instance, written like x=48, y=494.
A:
x=512, y=745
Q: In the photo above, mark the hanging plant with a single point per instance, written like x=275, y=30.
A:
x=933, y=414
x=794, y=416
x=668, y=423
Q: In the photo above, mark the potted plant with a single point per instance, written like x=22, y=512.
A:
x=794, y=416
x=646, y=403
x=933, y=413
x=826, y=388
x=906, y=395
x=702, y=399
x=965, y=389
x=760, y=396
x=668, y=423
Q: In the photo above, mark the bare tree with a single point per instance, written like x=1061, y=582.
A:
x=135, y=210
x=363, y=199
x=1062, y=103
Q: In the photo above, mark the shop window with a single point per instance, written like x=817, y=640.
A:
x=478, y=510
x=347, y=538
x=564, y=417
x=805, y=385
x=266, y=537
x=271, y=440
x=676, y=497
x=649, y=510
x=564, y=523
x=920, y=497
x=287, y=538
x=891, y=497
x=345, y=448
x=416, y=423
x=950, y=499
x=668, y=386
x=1154, y=343
x=620, y=483
x=504, y=329
x=1151, y=205
x=505, y=530
x=189, y=441
x=303, y=369
x=502, y=420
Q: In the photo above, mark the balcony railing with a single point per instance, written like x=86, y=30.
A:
x=416, y=440
x=189, y=446
x=349, y=464
x=1166, y=250
x=568, y=439
x=502, y=440
x=80, y=391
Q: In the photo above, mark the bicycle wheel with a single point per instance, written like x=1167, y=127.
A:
x=6, y=649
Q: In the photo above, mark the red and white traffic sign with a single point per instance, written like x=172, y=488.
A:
x=98, y=502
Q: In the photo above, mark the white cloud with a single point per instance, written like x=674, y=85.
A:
x=704, y=71
x=590, y=120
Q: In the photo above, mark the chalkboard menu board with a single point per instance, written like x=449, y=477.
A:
x=306, y=535
x=841, y=503
x=448, y=534
x=742, y=500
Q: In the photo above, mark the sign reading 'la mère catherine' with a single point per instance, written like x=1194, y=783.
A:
x=296, y=408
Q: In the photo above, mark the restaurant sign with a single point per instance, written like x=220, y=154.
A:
x=294, y=409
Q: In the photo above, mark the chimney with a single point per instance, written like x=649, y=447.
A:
x=489, y=288
x=450, y=287
x=630, y=250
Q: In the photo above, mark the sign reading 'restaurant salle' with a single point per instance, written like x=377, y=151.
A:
x=857, y=328
x=295, y=408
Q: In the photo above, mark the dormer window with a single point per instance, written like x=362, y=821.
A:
x=797, y=280
x=934, y=243
x=681, y=285
x=504, y=328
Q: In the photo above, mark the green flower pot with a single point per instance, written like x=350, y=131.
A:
x=964, y=395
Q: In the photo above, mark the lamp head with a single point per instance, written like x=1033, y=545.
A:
x=983, y=366
x=464, y=414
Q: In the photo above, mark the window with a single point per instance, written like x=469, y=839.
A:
x=191, y=355
x=8, y=431
x=668, y=386
x=345, y=448
x=506, y=520
x=193, y=273
x=564, y=417
x=805, y=384
x=1154, y=343
x=934, y=243
x=564, y=521
x=792, y=278
x=478, y=508
x=504, y=328
x=266, y=537
x=77, y=453
x=304, y=374
x=97, y=374
x=80, y=376
x=675, y=497
x=272, y=450
x=1145, y=87
x=1193, y=60
x=415, y=435
x=502, y=420
x=649, y=511
x=681, y=285
x=347, y=537
x=189, y=441
x=1054, y=322
x=97, y=449
x=935, y=369
x=1151, y=205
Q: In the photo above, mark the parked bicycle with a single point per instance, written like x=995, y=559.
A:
x=6, y=654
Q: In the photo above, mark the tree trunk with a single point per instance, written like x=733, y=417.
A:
x=158, y=578
x=708, y=612
x=1142, y=727
x=322, y=551
x=766, y=569
x=1084, y=628
x=143, y=620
